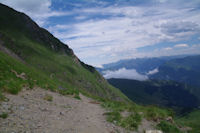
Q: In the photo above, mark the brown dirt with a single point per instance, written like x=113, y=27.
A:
x=29, y=112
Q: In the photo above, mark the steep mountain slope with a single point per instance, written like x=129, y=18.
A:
x=186, y=70
x=43, y=60
x=162, y=93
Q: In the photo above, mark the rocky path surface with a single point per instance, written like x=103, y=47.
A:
x=29, y=112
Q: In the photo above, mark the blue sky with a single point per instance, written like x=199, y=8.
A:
x=104, y=31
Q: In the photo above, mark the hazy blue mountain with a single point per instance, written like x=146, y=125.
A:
x=141, y=65
x=185, y=70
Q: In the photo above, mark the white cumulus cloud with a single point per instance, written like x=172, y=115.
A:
x=180, y=45
x=168, y=48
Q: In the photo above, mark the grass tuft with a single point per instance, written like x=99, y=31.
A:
x=48, y=98
x=132, y=121
x=167, y=127
x=4, y=115
x=77, y=97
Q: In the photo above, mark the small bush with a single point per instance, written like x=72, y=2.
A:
x=131, y=122
x=31, y=84
x=13, y=91
x=4, y=115
x=48, y=98
x=13, y=86
x=154, y=113
x=167, y=127
x=114, y=117
x=114, y=106
x=69, y=92
x=77, y=97
x=1, y=96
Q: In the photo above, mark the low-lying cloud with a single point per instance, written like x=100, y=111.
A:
x=154, y=71
x=125, y=74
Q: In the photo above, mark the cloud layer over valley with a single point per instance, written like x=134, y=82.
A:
x=124, y=73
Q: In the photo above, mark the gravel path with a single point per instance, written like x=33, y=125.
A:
x=28, y=112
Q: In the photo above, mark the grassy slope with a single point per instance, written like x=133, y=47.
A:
x=49, y=57
x=9, y=82
x=192, y=120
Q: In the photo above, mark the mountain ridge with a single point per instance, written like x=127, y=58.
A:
x=184, y=70
x=35, y=47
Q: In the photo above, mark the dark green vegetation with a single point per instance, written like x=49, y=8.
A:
x=185, y=70
x=135, y=113
x=130, y=122
x=4, y=115
x=191, y=120
x=162, y=93
x=31, y=56
x=167, y=127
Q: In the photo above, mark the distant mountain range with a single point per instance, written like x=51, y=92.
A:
x=175, y=83
x=183, y=68
x=141, y=65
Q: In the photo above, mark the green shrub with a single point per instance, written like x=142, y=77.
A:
x=31, y=84
x=155, y=113
x=114, y=106
x=114, y=117
x=1, y=96
x=69, y=92
x=167, y=127
x=77, y=97
x=4, y=115
x=131, y=122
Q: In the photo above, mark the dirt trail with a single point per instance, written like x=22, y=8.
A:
x=28, y=111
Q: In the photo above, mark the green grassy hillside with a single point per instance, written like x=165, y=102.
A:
x=47, y=62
